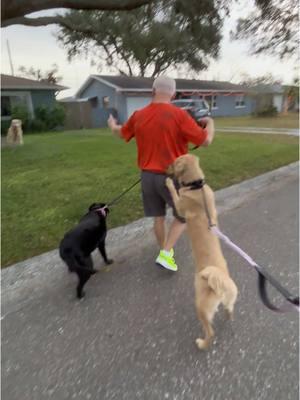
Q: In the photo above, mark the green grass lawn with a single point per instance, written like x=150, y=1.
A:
x=48, y=183
x=290, y=121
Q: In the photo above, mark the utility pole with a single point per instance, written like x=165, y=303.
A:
x=10, y=59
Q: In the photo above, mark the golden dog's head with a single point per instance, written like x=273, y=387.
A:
x=186, y=168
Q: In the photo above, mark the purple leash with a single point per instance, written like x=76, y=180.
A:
x=263, y=276
x=293, y=303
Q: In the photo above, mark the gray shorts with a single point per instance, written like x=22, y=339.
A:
x=156, y=195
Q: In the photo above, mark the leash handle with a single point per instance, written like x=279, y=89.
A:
x=293, y=302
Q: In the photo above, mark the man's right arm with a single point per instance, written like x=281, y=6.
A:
x=210, y=129
x=197, y=134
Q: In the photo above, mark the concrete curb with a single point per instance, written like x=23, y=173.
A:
x=23, y=280
x=269, y=131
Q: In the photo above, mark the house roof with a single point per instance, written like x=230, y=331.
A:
x=130, y=82
x=15, y=82
x=268, y=89
x=140, y=84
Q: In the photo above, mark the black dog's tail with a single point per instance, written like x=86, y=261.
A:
x=74, y=261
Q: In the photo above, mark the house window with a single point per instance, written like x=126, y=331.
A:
x=5, y=106
x=240, y=101
x=9, y=101
x=94, y=102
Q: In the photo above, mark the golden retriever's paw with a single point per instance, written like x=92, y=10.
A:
x=201, y=344
x=170, y=184
x=229, y=315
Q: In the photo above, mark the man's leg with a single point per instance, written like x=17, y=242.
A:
x=176, y=229
x=159, y=231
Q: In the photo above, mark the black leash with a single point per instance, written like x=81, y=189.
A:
x=116, y=199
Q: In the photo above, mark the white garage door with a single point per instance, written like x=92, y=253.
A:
x=135, y=103
x=277, y=102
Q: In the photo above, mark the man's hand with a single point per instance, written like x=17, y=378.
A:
x=203, y=122
x=210, y=127
x=113, y=125
x=111, y=122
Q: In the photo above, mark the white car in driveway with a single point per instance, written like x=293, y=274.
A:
x=196, y=108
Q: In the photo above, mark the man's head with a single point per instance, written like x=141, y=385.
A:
x=164, y=87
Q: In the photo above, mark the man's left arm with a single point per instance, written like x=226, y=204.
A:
x=114, y=126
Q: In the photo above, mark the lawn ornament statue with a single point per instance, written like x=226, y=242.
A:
x=15, y=133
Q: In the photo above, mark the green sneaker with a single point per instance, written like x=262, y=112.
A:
x=166, y=260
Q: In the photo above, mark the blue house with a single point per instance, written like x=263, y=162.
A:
x=122, y=95
x=29, y=93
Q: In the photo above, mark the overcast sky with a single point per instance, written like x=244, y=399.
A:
x=38, y=47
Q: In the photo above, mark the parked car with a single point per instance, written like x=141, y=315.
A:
x=196, y=108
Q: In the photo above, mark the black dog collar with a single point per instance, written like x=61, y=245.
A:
x=195, y=185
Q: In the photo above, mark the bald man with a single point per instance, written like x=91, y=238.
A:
x=162, y=132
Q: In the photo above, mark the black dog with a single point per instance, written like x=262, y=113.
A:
x=77, y=245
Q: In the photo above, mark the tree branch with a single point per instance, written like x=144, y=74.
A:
x=41, y=21
x=19, y=8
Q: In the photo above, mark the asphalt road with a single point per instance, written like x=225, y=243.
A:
x=133, y=335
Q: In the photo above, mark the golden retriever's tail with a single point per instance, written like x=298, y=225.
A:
x=222, y=285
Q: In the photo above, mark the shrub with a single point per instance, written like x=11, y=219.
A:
x=4, y=127
x=57, y=116
x=269, y=111
x=21, y=112
x=36, y=125
x=51, y=117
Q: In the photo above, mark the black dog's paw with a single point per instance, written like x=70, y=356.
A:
x=109, y=261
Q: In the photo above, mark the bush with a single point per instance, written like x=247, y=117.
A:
x=21, y=112
x=36, y=125
x=4, y=127
x=51, y=118
x=46, y=119
x=269, y=111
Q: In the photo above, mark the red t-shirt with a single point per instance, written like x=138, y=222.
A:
x=162, y=132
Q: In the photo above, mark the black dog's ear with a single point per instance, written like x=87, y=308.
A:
x=92, y=206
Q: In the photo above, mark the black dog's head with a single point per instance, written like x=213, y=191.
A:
x=99, y=207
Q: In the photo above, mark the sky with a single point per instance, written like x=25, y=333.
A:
x=37, y=47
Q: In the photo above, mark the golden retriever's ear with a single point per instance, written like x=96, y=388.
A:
x=179, y=167
x=170, y=169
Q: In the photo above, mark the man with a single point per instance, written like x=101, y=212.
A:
x=162, y=132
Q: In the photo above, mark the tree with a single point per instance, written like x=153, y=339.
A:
x=49, y=76
x=272, y=27
x=15, y=11
x=146, y=41
x=268, y=79
x=291, y=95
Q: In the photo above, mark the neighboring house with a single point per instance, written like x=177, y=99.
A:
x=265, y=96
x=122, y=95
x=17, y=91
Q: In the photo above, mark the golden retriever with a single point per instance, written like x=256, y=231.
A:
x=15, y=132
x=213, y=284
